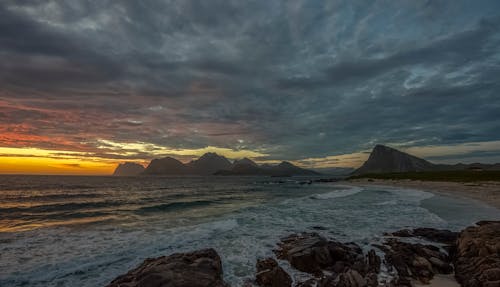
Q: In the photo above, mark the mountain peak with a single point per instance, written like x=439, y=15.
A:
x=383, y=147
x=166, y=165
x=386, y=159
x=286, y=164
x=128, y=169
x=209, y=155
x=244, y=161
x=209, y=163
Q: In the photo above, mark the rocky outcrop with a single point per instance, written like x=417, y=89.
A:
x=331, y=262
x=431, y=234
x=385, y=159
x=128, y=169
x=415, y=260
x=476, y=257
x=477, y=260
x=201, y=268
x=270, y=274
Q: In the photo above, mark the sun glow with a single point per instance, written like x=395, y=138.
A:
x=102, y=161
x=42, y=161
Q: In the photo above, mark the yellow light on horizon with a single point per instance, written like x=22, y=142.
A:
x=44, y=161
x=46, y=165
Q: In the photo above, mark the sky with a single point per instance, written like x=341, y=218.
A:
x=85, y=85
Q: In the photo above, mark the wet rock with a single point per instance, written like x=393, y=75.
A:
x=200, y=268
x=440, y=266
x=308, y=283
x=351, y=278
x=270, y=274
x=348, y=278
x=373, y=262
x=371, y=279
x=431, y=234
x=416, y=261
x=307, y=252
x=311, y=253
x=477, y=259
x=332, y=263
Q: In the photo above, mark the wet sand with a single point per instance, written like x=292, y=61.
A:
x=440, y=280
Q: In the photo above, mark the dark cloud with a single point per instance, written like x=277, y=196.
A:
x=296, y=79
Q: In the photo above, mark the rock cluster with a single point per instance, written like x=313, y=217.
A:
x=332, y=263
x=270, y=274
x=477, y=261
x=431, y=234
x=201, y=268
x=415, y=261
x=475, y=255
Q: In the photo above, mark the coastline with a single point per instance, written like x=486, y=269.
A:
x=487, y=192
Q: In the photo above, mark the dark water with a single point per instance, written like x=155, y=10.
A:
x=84, y=231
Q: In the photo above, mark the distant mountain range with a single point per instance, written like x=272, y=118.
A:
x=248, y=167
x=384, y=159
x=210, y=164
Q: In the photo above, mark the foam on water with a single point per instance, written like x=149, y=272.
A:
x=349, y=190
x=246, y=223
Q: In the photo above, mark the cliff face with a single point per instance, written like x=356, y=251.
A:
x=385, y=159
x=128, y=169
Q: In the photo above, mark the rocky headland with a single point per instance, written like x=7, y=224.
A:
x=409, y=257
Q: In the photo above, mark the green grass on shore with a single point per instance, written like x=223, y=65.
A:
x=452, y=175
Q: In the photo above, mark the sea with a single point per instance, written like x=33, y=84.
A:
x=85, y=231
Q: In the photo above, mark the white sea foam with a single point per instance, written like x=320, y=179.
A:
x=349, y=190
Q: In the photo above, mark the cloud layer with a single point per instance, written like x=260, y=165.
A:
x=291, y=80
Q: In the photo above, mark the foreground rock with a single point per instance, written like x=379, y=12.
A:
x=415, y=261
x=477, y=261
x=269, y=274
x=476, y=257
x=201, y=268
x=332, y=263
x=431, y=234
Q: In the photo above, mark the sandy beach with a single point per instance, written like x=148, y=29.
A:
x=487, y=192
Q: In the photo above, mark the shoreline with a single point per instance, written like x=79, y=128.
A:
x=486, y=192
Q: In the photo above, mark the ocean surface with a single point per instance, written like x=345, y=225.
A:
x=84, y=231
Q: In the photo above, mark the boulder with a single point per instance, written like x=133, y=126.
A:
x=270, y=274
x=307, y=252
x=311, y=253
x=373, y=262
x=416, y=261
x=351, y=278
x=477, y=258
x=332, y=263
x=200, y=268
